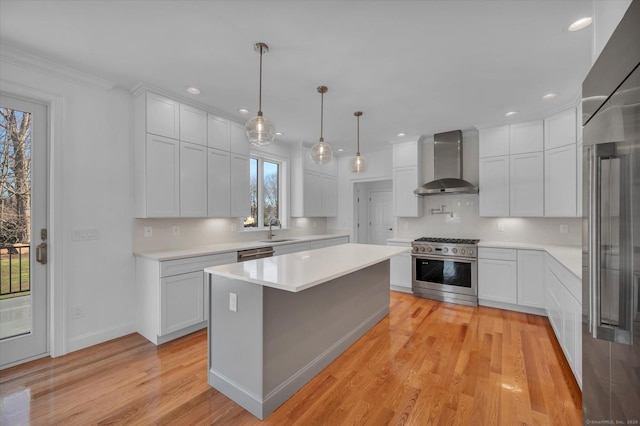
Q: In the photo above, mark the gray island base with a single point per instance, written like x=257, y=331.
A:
x=278, y=340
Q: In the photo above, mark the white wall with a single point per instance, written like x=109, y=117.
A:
x=93, y=170
x=606, y=17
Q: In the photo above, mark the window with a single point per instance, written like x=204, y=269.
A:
x=265, y=192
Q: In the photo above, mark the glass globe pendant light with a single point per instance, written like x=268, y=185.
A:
x=358, y=163
x=259, y=130
x=321, y=151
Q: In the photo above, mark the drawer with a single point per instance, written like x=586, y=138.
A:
x=569, y=281
x=337, y=241
x=196, y=263
x=497, y=253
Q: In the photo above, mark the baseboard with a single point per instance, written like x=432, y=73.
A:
x=512, y=307
x=401, y=289
x=261, y=408
x=90, y=339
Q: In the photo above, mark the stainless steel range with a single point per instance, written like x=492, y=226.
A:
x=446, y=269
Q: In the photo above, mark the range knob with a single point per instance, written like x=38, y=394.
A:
x=415, y=248
x=470, y=251
x=454, y=250
x=429, y=249
x=422, y=248
x=461, y=251
x=445, y=250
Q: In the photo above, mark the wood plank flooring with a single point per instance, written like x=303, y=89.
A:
x=426, y=363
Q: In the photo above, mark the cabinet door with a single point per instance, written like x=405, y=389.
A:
x=526, y=183
x=336, y=241
x=312, y=194
x=238, y=139
x=497, y=280
x=317, y=244
x=329, y=196
x=405, y=202
x=554, y=302
x=290, y=248
x=400, y=271
x=193, y=180
x=531, y=278
x=560, y=181
x=218, y=133
x=240, y=191
x=526, y=137
x=182, y=300
x=308, y=164
x=219, y=184
x=404, y=154
x=193, y=125
x=571, y=326
x=163, y=116
x=162, y=177
x=494, y=141
x=494, y=186
x=560, y=129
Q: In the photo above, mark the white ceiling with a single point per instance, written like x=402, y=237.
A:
x=418, y=67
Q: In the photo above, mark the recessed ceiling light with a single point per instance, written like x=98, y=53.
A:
x=244, y=111
x=581, y=23
x=279, y=133
x=549, y=96
x=510, y=113
x=401, y=135
x=193, y=90
x=340, y=150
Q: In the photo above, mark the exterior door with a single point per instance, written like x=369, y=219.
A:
x=23, y=218
x=381, y=219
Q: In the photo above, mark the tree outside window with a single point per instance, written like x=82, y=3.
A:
x=264, y=184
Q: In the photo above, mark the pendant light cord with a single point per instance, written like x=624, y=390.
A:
x=321, y=113
x=358, y=153
x=260, y=90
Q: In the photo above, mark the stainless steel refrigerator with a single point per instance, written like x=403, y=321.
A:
x=611, y=241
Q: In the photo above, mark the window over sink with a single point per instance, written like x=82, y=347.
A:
x=265, y=184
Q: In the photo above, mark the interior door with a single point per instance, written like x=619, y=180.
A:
x=381, y=218
x=23, y=218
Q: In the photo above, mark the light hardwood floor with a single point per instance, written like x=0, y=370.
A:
x=426, y=363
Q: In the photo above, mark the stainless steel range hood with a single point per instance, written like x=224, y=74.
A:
x=447, y=159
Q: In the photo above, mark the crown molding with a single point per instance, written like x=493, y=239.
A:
x=44, y=66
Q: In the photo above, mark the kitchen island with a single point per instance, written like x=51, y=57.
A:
x=275, y=323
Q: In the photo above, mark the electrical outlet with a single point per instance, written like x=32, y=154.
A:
x=84, y=234
x=500, y=226
x=564, y=229
x=175, y=230
x=77, y=311
x=233, y=302
x=148, y=231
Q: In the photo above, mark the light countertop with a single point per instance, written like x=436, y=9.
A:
x=298, y=271
x=569, y=256
x=230, y=247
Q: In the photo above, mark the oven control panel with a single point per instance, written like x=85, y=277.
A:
x=443, y=249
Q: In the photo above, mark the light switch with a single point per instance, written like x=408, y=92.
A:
x=233, y=302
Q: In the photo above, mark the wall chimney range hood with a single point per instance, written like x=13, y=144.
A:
x=447, y=159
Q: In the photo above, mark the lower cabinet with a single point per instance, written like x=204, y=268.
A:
x=531, y=279
x=497, y=275
x=172, y=295
x=400, y=269
x=296, y=247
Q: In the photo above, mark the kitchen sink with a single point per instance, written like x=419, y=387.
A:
x=278, y=240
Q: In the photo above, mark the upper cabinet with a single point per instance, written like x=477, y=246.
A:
x=407, y=176
x=530, y=168
x=314, y=186
x=173, y=145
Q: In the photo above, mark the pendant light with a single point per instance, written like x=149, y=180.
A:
x=259, y=130
x=358, y=163
x=321, y=151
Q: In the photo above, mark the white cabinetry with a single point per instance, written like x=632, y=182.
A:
x=511, y=279
x=494, y=141
x=314, y=186
x=564, y=309
x=407, y=176
x=400, y=269
x=310, y=245
x=526, y=184
x=497, y=275
x=173, y=143
x=531, y=279
x=158, y=182
x=290, y=248
x=161, y=116
x=494, y=186
x=193, y=125
x=561, y=187
x=172, y=295
x=193, y=180
x=526, y=137
x=560, y=129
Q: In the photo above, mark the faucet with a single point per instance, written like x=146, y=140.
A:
x=273, y=221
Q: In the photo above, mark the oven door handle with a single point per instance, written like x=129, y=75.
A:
x=452, y=258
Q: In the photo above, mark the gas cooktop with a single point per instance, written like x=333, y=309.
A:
x=446, y=240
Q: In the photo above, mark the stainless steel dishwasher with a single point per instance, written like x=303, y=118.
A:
x=254, y=253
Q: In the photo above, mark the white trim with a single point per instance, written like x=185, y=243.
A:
x=521, y=119
x=53, y=69
x=101, y=336
x=57, y=300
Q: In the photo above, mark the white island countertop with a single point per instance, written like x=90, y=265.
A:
x=302, y=270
